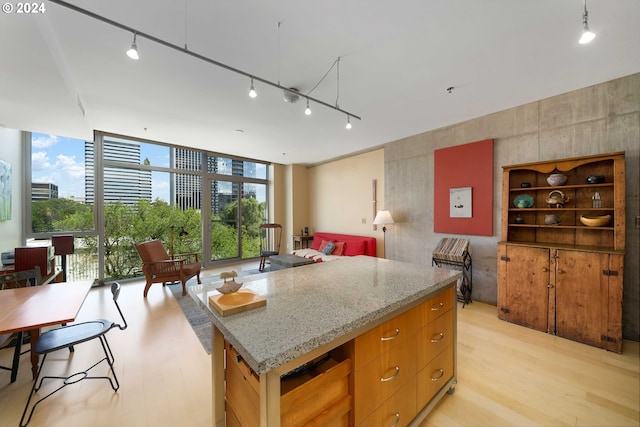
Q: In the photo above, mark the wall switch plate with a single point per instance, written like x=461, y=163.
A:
x=364, y=220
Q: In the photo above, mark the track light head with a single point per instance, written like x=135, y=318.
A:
x=587, y=34
x=252, y=91
x=348, y=126
x=307, y=110
x=133, y=50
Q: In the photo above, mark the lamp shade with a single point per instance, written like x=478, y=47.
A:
x=63, y=244
x=383, y=217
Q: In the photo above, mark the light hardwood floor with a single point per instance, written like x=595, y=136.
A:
x=507, y=375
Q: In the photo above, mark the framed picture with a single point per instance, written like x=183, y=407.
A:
x=460, y=202
x=5, y=190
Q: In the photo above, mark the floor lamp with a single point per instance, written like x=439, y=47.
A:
x=182, y=233
x=63, y=245
x=383, y=218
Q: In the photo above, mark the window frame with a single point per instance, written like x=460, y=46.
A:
x=99, y=166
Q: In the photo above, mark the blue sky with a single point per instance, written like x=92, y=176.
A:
x=60, y=160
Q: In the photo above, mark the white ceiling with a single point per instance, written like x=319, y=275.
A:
x=67, y=74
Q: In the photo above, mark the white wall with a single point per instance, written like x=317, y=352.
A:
x=10, y=151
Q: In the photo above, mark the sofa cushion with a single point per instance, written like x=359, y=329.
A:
x=339, y=249
x=354, y=247
x=323, y=245
x=315, y=245
x=328, y=248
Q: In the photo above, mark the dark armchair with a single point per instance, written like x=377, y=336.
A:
x=158, y=267
x=270, y=237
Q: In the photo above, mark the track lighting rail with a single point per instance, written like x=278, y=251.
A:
x=184, y=50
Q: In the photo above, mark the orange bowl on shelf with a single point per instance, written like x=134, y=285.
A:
x=595, y=221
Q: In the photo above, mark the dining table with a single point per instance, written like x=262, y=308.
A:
x=33, y=307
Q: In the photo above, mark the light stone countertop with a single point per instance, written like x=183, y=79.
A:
x=310, y=306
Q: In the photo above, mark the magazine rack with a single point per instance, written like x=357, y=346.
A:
x=455, y=254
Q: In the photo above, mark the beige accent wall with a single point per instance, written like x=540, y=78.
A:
x=279, y=198
x=340, y=196
x=294, y=187
x=11, y=230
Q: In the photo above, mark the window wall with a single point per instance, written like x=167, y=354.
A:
x=113, y=192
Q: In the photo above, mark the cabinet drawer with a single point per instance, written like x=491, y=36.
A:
x=380, y=339
x=399, y=410
x=434, y=338
x=438, y=305
x=243, y=401
x=432, y=378
x=383, y=377
x=320, y=397
x=234, y=359
x=231, y=418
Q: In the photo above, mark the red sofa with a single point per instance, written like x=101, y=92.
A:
x=351, y=245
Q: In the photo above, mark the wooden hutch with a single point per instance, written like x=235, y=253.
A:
x=556, y=274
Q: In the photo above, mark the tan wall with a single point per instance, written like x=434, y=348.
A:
x=341, y=195
x=300, y=213
x=278, y=197
x=11, y=230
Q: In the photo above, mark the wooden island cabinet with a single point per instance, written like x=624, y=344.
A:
x=383, y=377
x=376, y=339
x=556, y=274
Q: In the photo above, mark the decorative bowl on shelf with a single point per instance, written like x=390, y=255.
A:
x=523, y=201
x=557, y=199
x=595, y=179
x=595, y=220
x=556, y=179
x=551, y=219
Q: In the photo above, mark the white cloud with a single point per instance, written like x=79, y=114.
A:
x=44, y=141
x=40, y=161
x=69, y=165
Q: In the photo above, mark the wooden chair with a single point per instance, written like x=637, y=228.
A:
x=270, y=237
x=19, y=279
x=15, y=340
x=158, y=267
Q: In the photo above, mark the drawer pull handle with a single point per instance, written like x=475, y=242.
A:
x=438, y=377
x=440, y=338
x=382, y=380
x=392, y=337
x=438, y=307
x=395, y=424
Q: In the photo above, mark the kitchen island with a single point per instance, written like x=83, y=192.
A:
x=385, y=330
